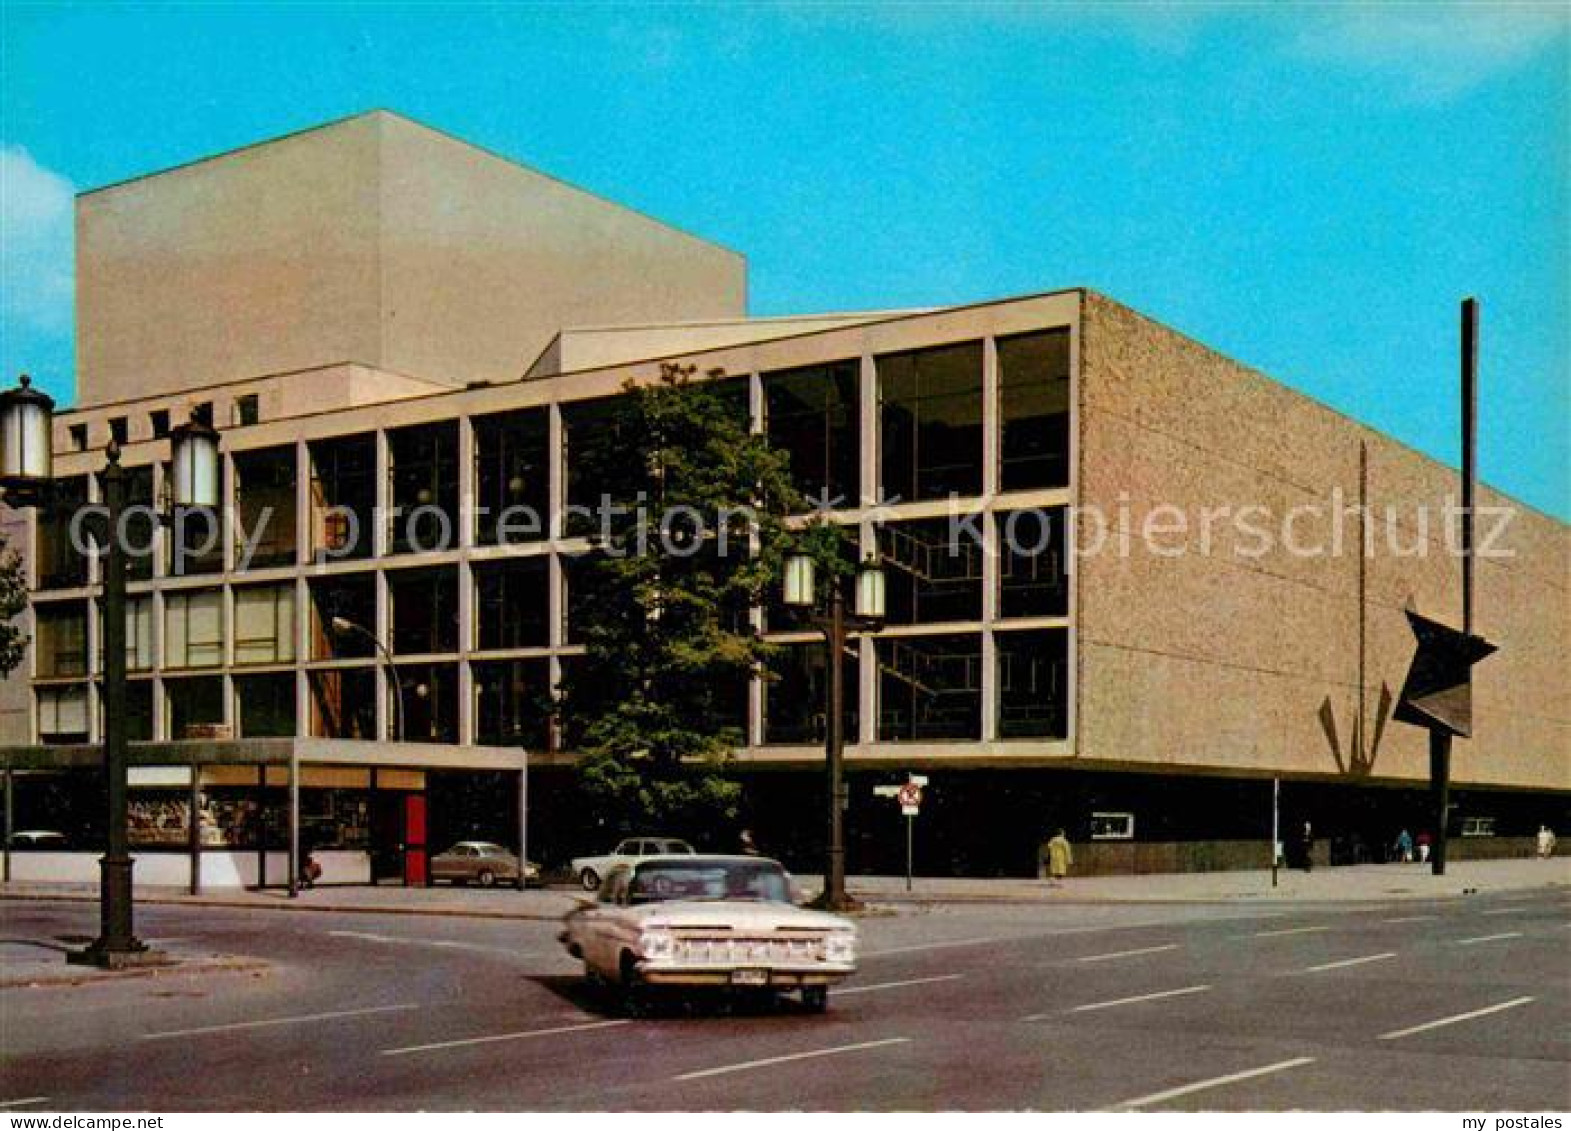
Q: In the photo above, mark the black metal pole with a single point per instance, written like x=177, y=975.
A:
x=910, y=848
x=1469, y=451
x=10, y=820
x=834, y=755
x=194, y=830
x=1440, y=795
x=116, y=943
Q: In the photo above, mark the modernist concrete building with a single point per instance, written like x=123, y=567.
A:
x=384, y=320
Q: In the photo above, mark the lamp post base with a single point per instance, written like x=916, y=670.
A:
x=844, y=904
x=118, y=955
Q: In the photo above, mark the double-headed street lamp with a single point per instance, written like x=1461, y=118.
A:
x=27, y=480
x=832, y=620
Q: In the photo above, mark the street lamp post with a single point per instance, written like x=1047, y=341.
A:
x=26, y=475
x=343, y=626
x=836, y=625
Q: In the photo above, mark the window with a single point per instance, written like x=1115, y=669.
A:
x=1033, y=410
x=1033, y=683
x=512, y=477
x=1032, y=565
x=814, y=416
x=429, y=701
x=247, y=410
x=62, y=714
x=796, y=697
x=159, y=419
x=930, y=407
x=424, y=487
x=265, y=495
x=352, y=598
x=78, y=434
x=343, y=703
x=138, y=710
x=196, y=539
x=933, y=571
x=119, y=430
x=1112, y=826
x=60, y=564
x=343, y=497
x=424, y=610
x=267, y=705
x=141, y=524
x=1478, y=826
x=596, y=460
x=513, y=603
x=194, y=704
x=265, y=624
x=193, y=629
x=929, y=688
x=138, y=634
x=60, y=639
x=513, y=703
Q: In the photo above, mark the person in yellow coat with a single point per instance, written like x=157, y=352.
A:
x=1059, y=858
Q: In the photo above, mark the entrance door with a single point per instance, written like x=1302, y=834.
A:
x=415, y=859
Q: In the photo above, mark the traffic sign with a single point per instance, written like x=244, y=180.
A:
x=910, y=796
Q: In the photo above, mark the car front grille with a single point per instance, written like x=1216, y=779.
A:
x=725, y=949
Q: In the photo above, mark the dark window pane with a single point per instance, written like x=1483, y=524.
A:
x=796, y=700
x=429, y=701
x=597, y=465
x=814, y=416
x=351, y=598
x=930, y=688
x=1032, y=570
x=1033, y=683
x=343, y=704
x=424, y=610
x=513, y=703
x=931, y=413
x=343, y=497
x=424, y=472
x=933, y=572
x=60, y=565
x=513, y=603
x=267, y=705
x=265, y=483
x=194, y=703
x=512, y=476
x=1033, y=395
x=60, y=639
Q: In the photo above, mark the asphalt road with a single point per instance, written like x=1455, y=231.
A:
x=1459, y=1005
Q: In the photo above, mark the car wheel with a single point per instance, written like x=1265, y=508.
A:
x=815, y=998
x=590, y=879
x=486, y=877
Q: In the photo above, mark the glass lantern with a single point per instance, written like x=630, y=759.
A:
x=870, y=591
x=194, y=465
x=26, y=451
x=799, y=570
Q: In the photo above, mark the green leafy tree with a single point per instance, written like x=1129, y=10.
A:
x=688, y=535
x=13, y=601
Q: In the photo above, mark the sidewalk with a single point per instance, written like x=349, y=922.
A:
x=1368, y=883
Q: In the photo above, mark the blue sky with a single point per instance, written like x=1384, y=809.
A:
x=1310, y=189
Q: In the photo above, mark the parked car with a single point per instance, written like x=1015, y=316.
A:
x=481, y=862
x=590, y=870
x=699, y=920
x=39, y=840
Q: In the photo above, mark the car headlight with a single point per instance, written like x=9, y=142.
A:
x=658, y=946
x=840, y=947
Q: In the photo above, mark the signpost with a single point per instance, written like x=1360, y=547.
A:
x=909, y=796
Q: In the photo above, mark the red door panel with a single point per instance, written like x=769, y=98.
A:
x=415, y=862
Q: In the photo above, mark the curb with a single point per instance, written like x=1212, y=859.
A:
x=177, y=968
x=327, y=908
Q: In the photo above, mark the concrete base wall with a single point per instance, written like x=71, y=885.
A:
x=1126, y=858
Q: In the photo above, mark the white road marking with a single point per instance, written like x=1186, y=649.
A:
x=1127, y=953
x=1350, y=962
x=1126, y=1001
x=442, y=944
x=1286, y=931
x=1512, y=1004
x=496, y=1037
x=1489, y=938
x=1506, y=911
x=26, y=1102
x=766, y=1062
x=936, y=946
x=1215, y=1082
x=896, y=985
x=1412, y=919
x=271, y=1021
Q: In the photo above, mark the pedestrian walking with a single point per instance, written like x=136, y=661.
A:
x=748, y=846
x=1307, y=846
x=1546, y=842
x=1404, y=847
x=1423, y=846
x=1059, y=859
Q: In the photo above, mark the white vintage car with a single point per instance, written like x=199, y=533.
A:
x=719, y=921
x=590, y=870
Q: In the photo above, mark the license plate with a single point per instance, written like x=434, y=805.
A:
x=750, y=977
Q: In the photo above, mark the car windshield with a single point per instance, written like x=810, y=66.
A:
x=701, y=879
